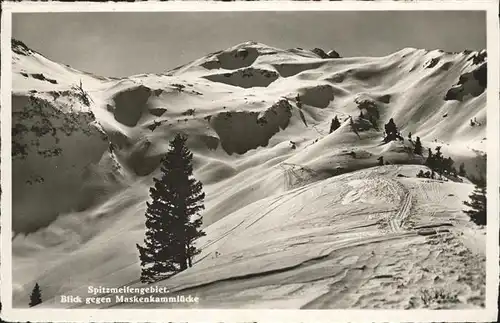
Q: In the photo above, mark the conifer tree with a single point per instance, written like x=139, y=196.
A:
x=361, y=115
x=36, y=296
x=391, y=131
x=299, y=102
x=461, y=170
x=438, y=161
x=477, y=203
x=448, y=165
x=335, y=124
x=418, y=147
x=429, y=162
x=172, y=218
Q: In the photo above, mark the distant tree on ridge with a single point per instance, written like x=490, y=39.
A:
x=418, y=147
x=36, y=296
x=391, y=131
x=335, y=124
x=477, y=203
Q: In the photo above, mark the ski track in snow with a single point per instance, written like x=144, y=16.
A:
x=397, y=221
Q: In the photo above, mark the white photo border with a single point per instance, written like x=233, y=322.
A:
x=488, y=314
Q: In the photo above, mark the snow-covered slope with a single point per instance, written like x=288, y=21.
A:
x=299, y=217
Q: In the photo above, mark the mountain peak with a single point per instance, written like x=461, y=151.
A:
x=20, y=48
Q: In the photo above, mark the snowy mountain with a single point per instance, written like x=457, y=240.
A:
x=296, y=216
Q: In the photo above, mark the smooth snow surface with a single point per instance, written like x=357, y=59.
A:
x=299, y=217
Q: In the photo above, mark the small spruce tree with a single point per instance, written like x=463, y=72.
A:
x=381, y=161
x=335, y=124
x=299, y=102
x=36, y=296
x=477, y=203
x=448, y=165
x=391, y=131
x=439, y=161
x=172, y=218
x=418, y=147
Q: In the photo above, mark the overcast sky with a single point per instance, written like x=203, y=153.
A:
x=121, y=44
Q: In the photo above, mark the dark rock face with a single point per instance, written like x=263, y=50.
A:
x=455, y=93
x=333, y=54
x=130, y=104
x=432, y=62
x=473, y=83
x=53, y=149
x=384, y=98
x=20, y=48
x=291, y=69
x=158, y=112
x=233, y=60
x=318, y=96
x=36, y=120
x=245, y=78
x=41, y=77
x=478, y=58
x=241, y=131
x=368, y=107
x=321, y=53
x=446, y=66
x=481, y=75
